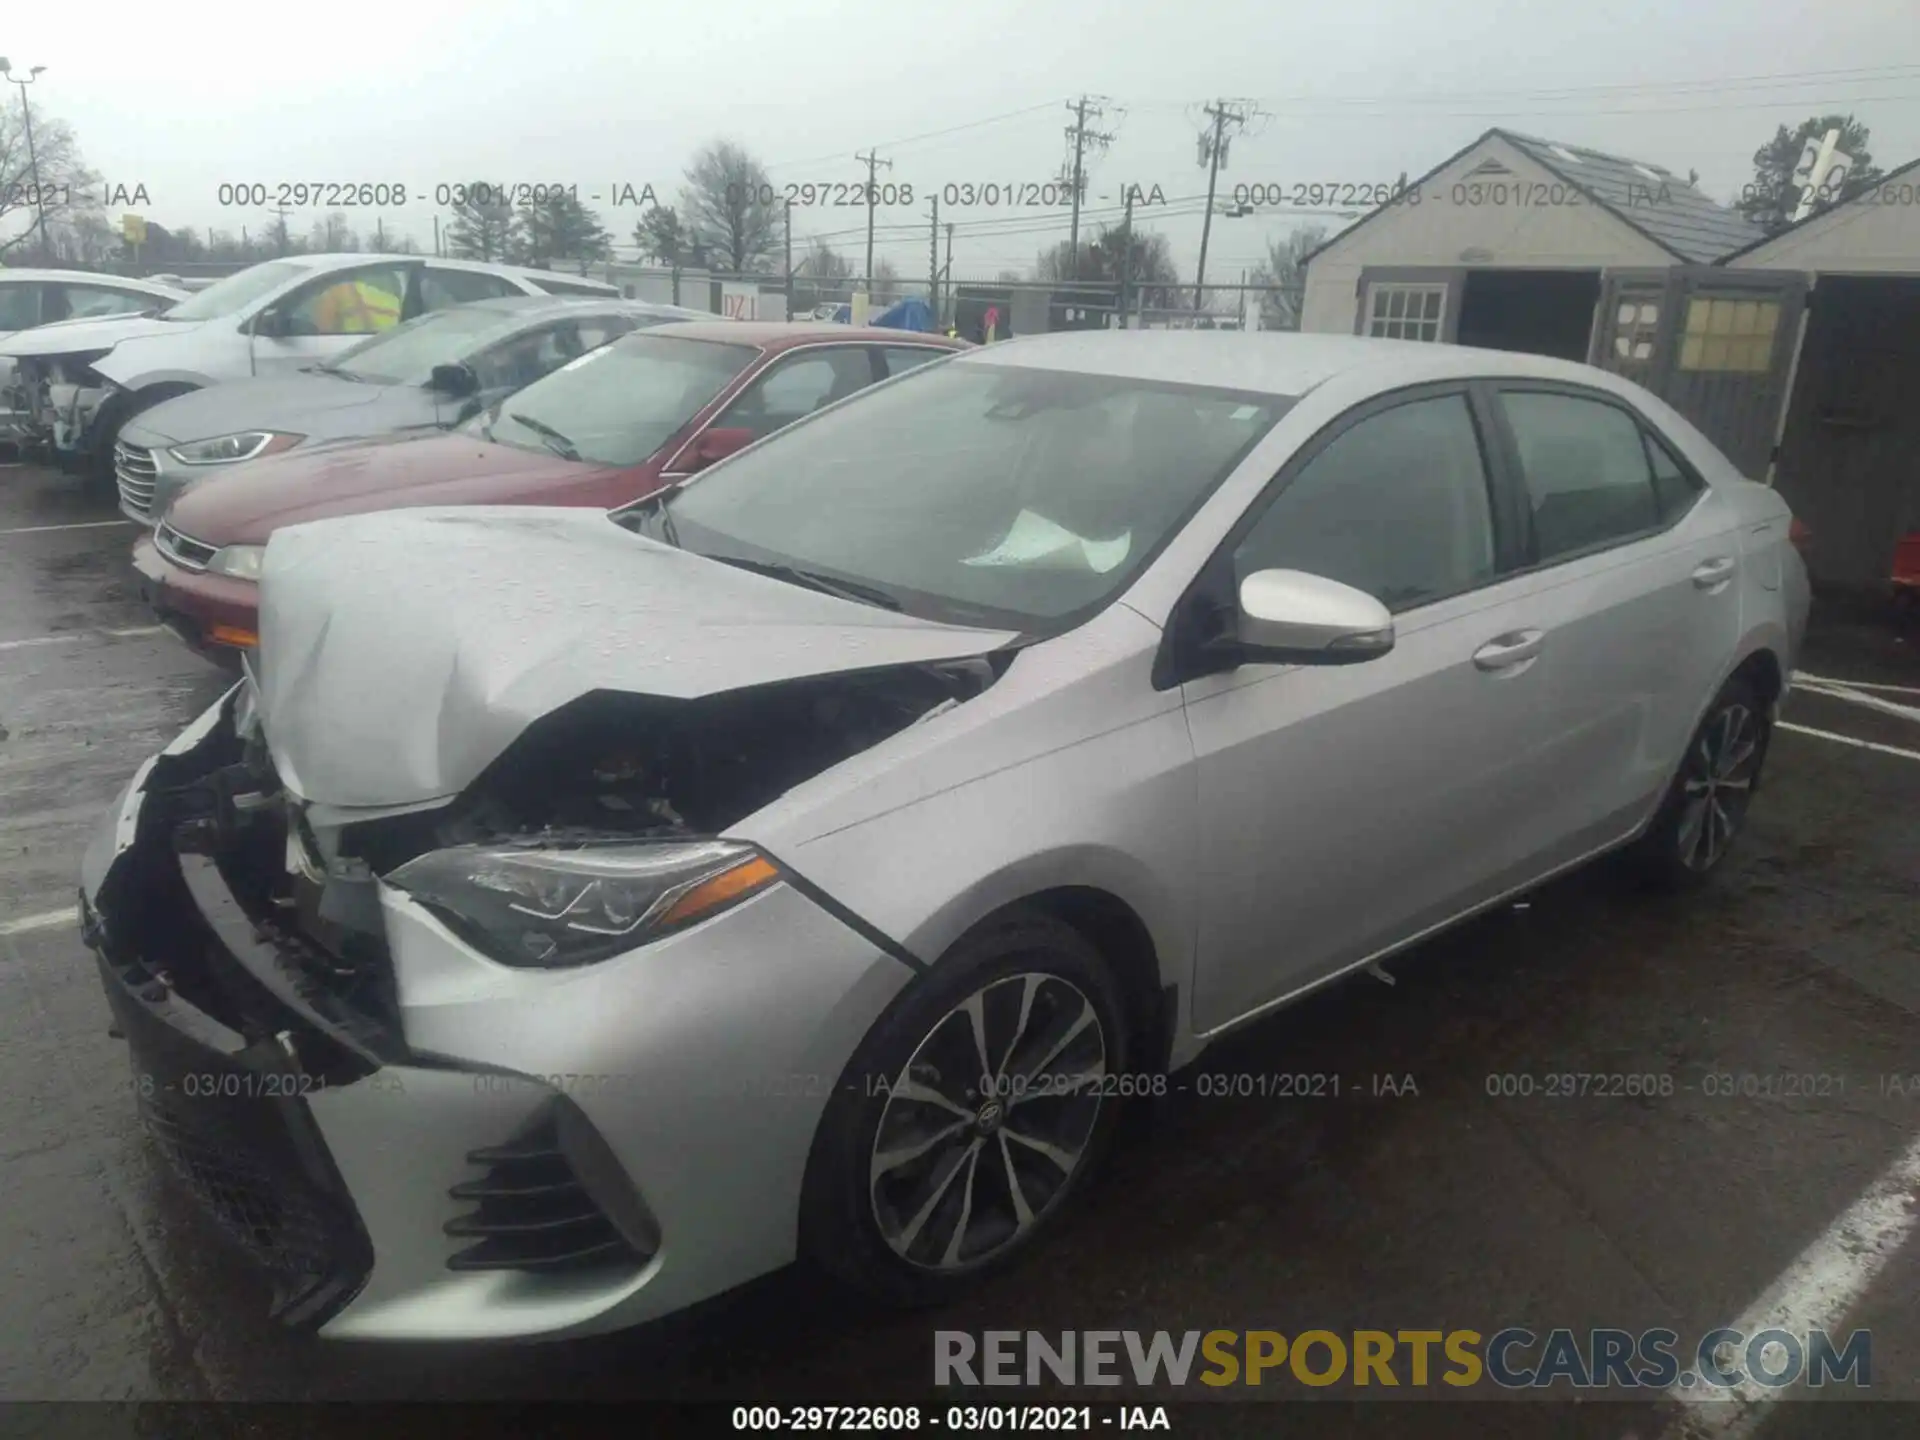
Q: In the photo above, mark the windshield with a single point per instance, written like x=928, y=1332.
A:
x=236, y=292
x=979, y=493
x=407, y=353
x=618, y=404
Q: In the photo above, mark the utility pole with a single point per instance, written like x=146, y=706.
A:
x=947, y=270
x=1126, y=256
x=282, y=236
x=870, y=160
x=789, y=264
x=1080, y=138
x=933, y=259
x=1213, y=152
x=436, y=236
x=33, y=160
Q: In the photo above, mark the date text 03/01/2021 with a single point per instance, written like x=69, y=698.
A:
x=954, y=1419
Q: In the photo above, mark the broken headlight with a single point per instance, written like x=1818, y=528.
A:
x=558, y=907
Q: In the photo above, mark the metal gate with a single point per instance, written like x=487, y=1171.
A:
x=1715, y=344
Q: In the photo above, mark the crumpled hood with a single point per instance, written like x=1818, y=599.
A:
x=73, y=337
x=295, y=404
x=401, y=653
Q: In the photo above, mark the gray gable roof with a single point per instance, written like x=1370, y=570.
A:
x=1652, y=199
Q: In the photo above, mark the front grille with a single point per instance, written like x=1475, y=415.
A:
x=183, y=549
x=135, y=471
x=532, y=1212
x=272, y=1218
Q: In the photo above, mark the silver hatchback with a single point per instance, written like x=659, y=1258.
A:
x=811, y=860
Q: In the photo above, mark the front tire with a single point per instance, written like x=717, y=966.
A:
x=970, y=1116
x=1707, y=802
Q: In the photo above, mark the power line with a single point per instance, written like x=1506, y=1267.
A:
x=924, y=135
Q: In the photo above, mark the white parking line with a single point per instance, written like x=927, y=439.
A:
x=72, y=636
x=1848, y=740
x=1860, y=698
x=51, y=920
x=77, y=525
x=1801, y=677
x=1817, y=1291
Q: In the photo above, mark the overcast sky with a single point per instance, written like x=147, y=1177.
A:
x=183, y=95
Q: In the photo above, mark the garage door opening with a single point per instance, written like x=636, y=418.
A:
x=1847, y=461
x=1539, y=312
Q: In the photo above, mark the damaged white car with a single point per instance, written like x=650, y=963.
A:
x=79, y=383
x=578, y=915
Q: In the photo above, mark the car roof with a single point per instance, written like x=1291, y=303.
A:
x=781, y=334
x=537, y=305
x=1267, y=362
x=321, y=263
x=84, y=277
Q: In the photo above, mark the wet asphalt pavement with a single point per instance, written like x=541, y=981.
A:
x=1440, y=1207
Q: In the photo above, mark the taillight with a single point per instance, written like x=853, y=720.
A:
x=1799, y=534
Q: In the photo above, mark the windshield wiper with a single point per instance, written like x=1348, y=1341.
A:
x=813, y=580
x=654, y=506
x=335, y=371
x=556, y=440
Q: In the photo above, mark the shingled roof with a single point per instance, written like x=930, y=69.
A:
x=1672, y=213
x=1649, y=197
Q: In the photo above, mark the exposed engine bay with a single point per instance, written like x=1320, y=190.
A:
x=304, y=901
x=616, y=764
x=56, y=398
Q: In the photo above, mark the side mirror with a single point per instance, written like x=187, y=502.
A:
x=717, y=444
x=1289, y=617
x=271, y=324
x=456, y=380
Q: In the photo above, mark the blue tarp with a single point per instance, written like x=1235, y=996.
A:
x=908, y=314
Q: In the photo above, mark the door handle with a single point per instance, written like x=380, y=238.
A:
x=1714, y=572
x=1503, y=652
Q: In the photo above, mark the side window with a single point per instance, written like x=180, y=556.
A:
x=89, y=300
x=1674, y=488
x=1586, y=471
x=358, y=302
x=902, y=358
x=794, y=388
x=519, y=360
x=19, y=305
x=442, y=289
x=1397, y=506
x=597, y=331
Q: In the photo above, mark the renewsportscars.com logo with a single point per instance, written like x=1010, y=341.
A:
x=1513, y=1358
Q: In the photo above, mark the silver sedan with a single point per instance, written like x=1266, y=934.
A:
x=577, y=915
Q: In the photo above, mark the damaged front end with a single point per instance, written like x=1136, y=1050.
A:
x=243, y=938
x=55, y=399
x=236, y=1016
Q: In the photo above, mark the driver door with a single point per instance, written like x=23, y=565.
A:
x=1348, y=808
x=334, y=312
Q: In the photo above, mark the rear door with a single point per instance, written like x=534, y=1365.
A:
x=1631, y=567
x=1716, y=344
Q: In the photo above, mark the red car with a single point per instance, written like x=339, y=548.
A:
x=618, y=423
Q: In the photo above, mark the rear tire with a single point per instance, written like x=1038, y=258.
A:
x=924, y=1175
x=1706, y=804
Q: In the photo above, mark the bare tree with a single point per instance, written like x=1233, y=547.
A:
x=331, y=235
x=67, y=186
x=482, y=226
x=727, y=202
x=1284, y=273
x=883, y=286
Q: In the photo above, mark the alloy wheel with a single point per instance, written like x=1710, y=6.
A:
x=1717, y=785
x=988, y=1122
